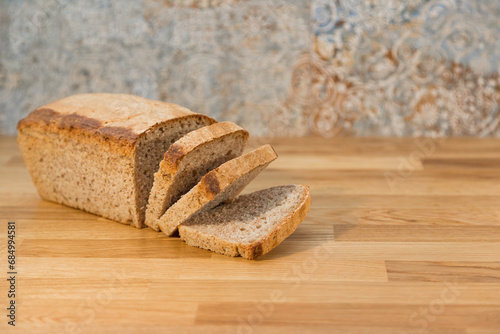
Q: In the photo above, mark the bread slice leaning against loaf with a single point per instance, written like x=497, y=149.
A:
x=219, y=185
x=188, y=160
x=99, y=152
x=252, y=224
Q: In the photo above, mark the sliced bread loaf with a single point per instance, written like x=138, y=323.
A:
x=252, y=224
x=217, y=186
x=188, y=160
x=99, y=152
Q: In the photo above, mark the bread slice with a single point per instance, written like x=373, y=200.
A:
x=188, y=160
x=251, y=225
x=219, y=185
x=99, y=152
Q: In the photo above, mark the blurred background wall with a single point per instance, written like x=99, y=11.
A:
x=278, y=68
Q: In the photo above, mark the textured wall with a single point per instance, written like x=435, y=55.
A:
x=406, y=67
x=280, y=68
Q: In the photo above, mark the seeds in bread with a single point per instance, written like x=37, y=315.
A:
x=99, y=152
x=188, y=160
x=219, y=185
x=251, y=225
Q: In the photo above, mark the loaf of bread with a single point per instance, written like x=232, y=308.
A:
x=188, y=160
x=99, y=152
x=251, y=225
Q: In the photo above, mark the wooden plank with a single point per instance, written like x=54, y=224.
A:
x=303, y=267
x=446, y=317
x=113, y=248
x=430, y=271
x=417, y=233
x=431, y=217
x=339, y=162
x=400, y=292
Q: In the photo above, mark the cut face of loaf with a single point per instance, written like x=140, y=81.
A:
x=188, y=160
x=219, y=185
x=99, y=152
x=251, y=225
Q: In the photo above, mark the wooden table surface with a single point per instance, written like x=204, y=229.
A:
x=403, y=236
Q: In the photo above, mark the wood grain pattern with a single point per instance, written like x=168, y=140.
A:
x=418, y=252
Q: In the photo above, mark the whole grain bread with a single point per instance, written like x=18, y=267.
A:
x=219, y=185
x=188, y=160
x=99, y=152
x=251, y=225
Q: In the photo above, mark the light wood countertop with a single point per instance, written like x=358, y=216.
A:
x=403, y=236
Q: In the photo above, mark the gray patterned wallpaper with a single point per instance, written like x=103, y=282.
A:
x=278, y=68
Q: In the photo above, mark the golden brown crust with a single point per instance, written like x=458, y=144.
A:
x=111, y=117
x=174, y=154
x=49, y=116
x=220, y=178
x=229, y=172
x=199, y=138
x=212, y=185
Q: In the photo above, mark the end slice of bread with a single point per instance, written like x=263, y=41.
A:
x=252, y=224
x=219, y=185
x=188, y=160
